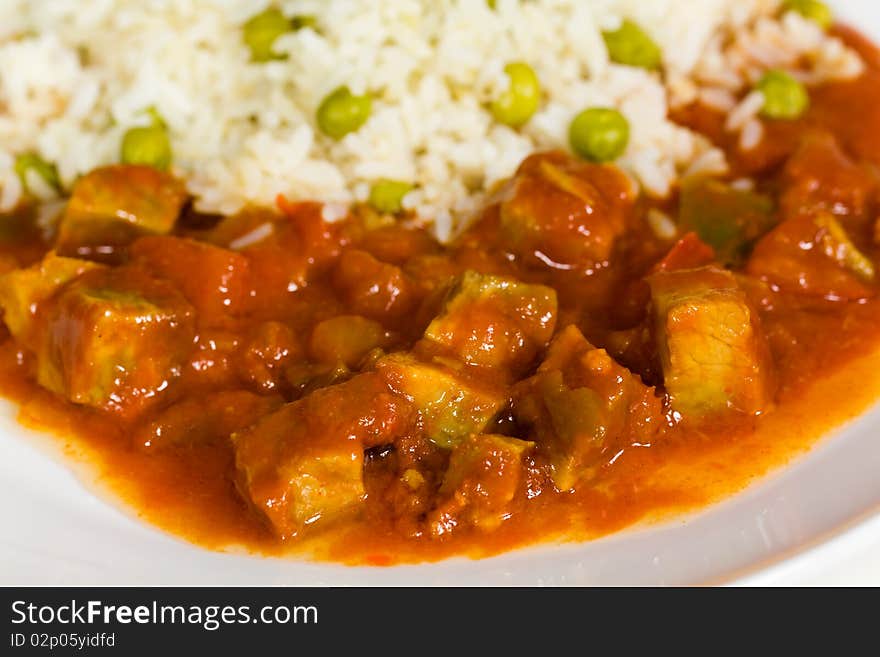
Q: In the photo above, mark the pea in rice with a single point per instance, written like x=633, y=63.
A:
x=243, y=122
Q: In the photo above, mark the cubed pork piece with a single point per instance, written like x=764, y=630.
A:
x=484, y=473
x=304, y=463
x=452, y=404
x=564, y=213
x=713, y=353
x=22, y=291
x=814, y=255
x=375, y=289
x=821, y=178
x=220, y=287
x=493, y=321
x=111, y=206
x=114, y=338
x=205, y=419
x=585, y=409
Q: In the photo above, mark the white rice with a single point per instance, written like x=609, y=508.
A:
x=74, y=76
x=661, y=224
x=751, y=135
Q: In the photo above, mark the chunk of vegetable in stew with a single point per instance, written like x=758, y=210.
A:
x=727, y=219
x=712, y=350
x=346, y=339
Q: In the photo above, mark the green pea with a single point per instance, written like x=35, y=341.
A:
x=599, y=134
x=492, y=4
x=784, y=96
x=33, y=162
x=342, y=112
x=814, y=10
x=260, y=32
x=517, y=104
x=147, y=145
x=630, y=45
x=387, y=195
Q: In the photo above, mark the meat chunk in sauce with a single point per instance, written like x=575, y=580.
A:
x=585, y=408
x=22, y=291
x=820, y=178
x=114, y=339
x=812, y=254
x=484, y=473
x=304, y=462
x=452, y=403
x=493, y=321
x=372, y=288
x=110, y=206
x=713, y=353
x=563, y=213
x=221, y=288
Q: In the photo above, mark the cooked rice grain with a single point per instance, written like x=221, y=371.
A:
x=75, y=76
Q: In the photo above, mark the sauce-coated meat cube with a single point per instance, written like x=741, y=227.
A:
x=111, y=206
x=712, y=350
x=484, y=473
x=494, y=321
x=820, y=178
x=23, y=290
x=114, y=339
x=204, y=419
x=452, y=404
x=813, y=255
x=304, y=463
x=585, y=408
x=372, y=288
x=565, y=213
x=214, y=280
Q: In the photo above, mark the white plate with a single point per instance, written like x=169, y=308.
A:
x=813, y=522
